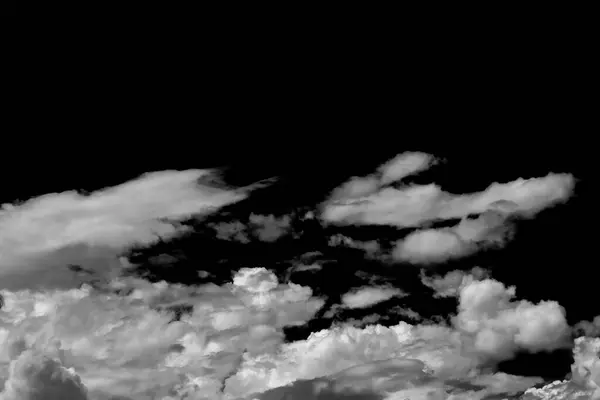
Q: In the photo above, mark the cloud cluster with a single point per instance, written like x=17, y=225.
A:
x=491, y=229
x=132, y=346
x=372, y=201
x=397, y=362
x=269, y=228
x=450, y=284
x=589, y=328
x=35, y=376
x=61, y=228
x=131, y=339
x=266, y=228
x=501, y=326
x=490, y=326
x=394, y=170
x=585, y=379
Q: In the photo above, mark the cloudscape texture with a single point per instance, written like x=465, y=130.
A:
x=385, y=281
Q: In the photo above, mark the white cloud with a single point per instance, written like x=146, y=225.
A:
x=451, y=283
x=35, y=376
x=500, y=326
x=589, y=328
x=256, y=280
x=490, y=326
x=585, y=380
x=269, y=228
x=233, y=339
x=126, y=346
x=331, y=351
x=369, y=296
x=414, y=205
x=586, y=368
x=431, y=245
x=403, y=165
x=398, y=362
x=426, y=246
x=417, y=205
x=112, y=219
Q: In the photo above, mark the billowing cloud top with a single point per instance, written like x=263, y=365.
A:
x=130, y=346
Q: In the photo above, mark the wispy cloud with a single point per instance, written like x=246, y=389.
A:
x=369, y=296
x=136, y=212
x=412, y=206
x=418, y=205
x=394, y=170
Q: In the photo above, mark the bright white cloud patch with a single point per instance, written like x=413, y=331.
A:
x=33, y=233
x=369, y=296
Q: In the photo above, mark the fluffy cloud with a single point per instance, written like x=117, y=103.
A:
x=490, y=326
x=35, y=376
x=451, y=283
x=585, y=380
x=231, y=343
x=33, y=233
x=469, y=236
x=398, y=362
x=130, y=345
x=501, y=326
x=369, y=296
x=589, y=328
x=586, y=368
